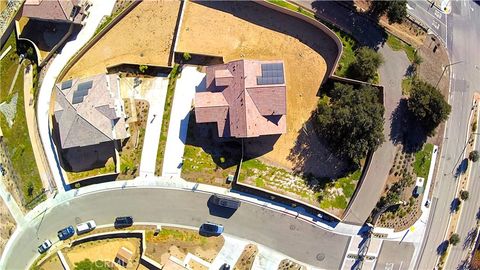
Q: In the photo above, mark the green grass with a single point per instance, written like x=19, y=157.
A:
x=347, y=184
x=8, y=66
x=423, y=159
x=407, y=85
x=108, y=168
x=293, y=7
x=166, y=120
x=397, y=45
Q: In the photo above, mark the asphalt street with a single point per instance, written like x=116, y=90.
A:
x=462, y=39
x=295, y=238
x=431, y=17
x=395, y=256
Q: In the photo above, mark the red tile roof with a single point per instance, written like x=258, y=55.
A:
x=240, y=106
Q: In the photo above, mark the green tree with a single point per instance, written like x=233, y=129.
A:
x=186, y=56
x=352, y=122
x=427, y=105
x=464, y=195
x=396, y=10
x=89, y=265
x=366, y=64
x=474, y=156
x=454, y=239
x=143, y=68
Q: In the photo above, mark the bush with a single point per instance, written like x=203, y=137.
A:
x=396, y=10
x=454, y=239
x=474, y=156
x=365, y=65
x=464, y=195
x=186, y=56
x=143, y=68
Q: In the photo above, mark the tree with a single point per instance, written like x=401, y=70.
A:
x=89, y=265
x=352, y=121
x=427, y=106
x=454, y=239
x=396, y=10
x=366, y=63
x=143, y=68
x=464, y=195
x=186, y=56
x=474, y=156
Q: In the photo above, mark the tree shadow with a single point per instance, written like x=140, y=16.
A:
x=405, y=130
x=252, y=12
x=363, y=29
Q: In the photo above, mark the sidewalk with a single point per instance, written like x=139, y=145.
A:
x=178, y=126
x=97, y=11
x=11, y=204
x=156, y=97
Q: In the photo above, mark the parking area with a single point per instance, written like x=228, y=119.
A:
x=395, y=256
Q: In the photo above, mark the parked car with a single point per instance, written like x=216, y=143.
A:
x=66, y=233
x=211, y=228
x=427, y=203
x=123, y=222
x=44, y=246
x=225, y=266
x=226, y=201
x=86, y=227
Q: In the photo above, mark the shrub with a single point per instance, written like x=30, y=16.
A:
x=186, y=56
x=474, y=156
x=454, y=239
x=464, y=195
x=143, y=68
x=366, y=63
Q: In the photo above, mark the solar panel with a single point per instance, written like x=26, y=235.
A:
x=66, y=84
x=271, y=74
x=81, y=92
x=77, y=99
x=85, y=85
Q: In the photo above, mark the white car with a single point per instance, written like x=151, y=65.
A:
x=44, y=246
x=86, y=227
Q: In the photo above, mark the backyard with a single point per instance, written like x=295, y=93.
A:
x=127, y=42
x=22, y=170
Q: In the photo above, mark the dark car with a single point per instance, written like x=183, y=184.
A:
x=44, y=246
x=66, y=233
x=210, y=228
x=226, y=201
x=123, y=222
x=225, y=266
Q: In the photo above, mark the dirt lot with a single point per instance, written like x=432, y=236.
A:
x=53, y=263
x=103, y=250
x=7, y=226
x=141, y=37
x=179, y=242
x=245, y=262
x=246, y=30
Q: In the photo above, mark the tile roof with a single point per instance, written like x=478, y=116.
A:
x=89, y=111
x=246, y=98
x=56, y=10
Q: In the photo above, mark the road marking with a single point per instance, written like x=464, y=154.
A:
x=430, y=14
x=438, y=14
x=436, y=24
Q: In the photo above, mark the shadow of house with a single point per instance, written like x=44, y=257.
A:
x=282, y=23
x=363, y=29
x=47, y=34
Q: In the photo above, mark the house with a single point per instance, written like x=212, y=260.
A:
x=71, y=11
x=123, y=257
x=245, y=98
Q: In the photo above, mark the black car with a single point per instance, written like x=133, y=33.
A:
x=123, y=222
x=66, y=233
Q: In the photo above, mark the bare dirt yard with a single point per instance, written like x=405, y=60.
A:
x=103, y=250
x=179, y=242
x=7, y=226
x=52, y=263
x=144, y=36
x=245, y=262
x=246, y=30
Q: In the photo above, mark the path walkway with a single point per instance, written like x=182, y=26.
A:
x=156, y=97
x=178, y=126
x=97, y=11
x=32, y=128
x=15, y=77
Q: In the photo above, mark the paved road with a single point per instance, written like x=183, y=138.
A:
x=462, y=36
x=395, y=256
x=278, y=231
x=431, y=17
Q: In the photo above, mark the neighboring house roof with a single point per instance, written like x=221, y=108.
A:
x=89, y=111
x=124, y=255
x=55, y=10
x=246, y=98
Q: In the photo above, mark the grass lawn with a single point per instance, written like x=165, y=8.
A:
x=17, y=138
x=166, y=119
x=407, y=85
x=331, y=198
x=109, y=168
x=423, y=159
x=349, y=43
x=397, y=45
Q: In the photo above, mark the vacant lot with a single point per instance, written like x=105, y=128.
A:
x=7, y=226
x=246, y=30
x=180, y=242
x=144, y=36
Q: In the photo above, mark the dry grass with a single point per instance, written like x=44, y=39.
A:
x=246, y=259
x=103, y=250
x=144, y=36
x=7, y=226
x=246, y=30
x=53, y=263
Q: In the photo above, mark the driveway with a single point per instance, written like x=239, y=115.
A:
x=98, y=10
x=155, y=96
x=284, y=233
x=178, y=126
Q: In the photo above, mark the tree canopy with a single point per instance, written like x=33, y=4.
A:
x=474, y=156
x=89, y=265
x=427, y=105
x=366, y=64
x=352, y=121
x=454, y=239
x=396, y=10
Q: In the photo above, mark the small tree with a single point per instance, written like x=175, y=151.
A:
x=474, y=156
x=454, y=239
x=464, y=195
x=186, y=56
x=396, y=10
x=366, y=64
x=143, y=68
